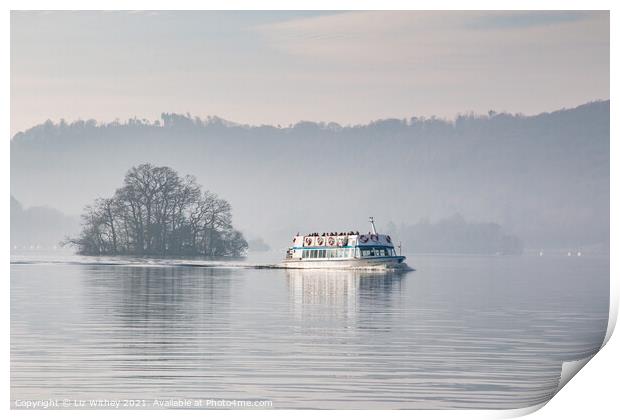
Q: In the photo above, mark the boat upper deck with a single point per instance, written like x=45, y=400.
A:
x=336, y=240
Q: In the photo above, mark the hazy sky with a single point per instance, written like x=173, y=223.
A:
x=282, y=67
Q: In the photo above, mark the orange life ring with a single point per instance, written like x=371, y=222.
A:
x=374, y=237
x=308, y=241
x=363, y=238
x=331, y=241
x=319, y=241
x=387, y=238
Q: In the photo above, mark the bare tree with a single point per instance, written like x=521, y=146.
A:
x=157, y=212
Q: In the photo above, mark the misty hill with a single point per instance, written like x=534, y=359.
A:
x=457, y=236
x=41, y=227
x=258, y=245
x=544, y=178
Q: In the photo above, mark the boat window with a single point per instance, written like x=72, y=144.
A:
x=349, y=252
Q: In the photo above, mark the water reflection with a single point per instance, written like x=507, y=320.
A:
x=141, y=297
x=344, y=295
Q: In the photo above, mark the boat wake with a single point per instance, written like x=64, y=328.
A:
x=138, y=263
x=160, y=263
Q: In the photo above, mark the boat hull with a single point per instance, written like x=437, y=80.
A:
x=383, y=263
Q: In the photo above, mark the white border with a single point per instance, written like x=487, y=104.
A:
x=309, y=5
x=593, y=394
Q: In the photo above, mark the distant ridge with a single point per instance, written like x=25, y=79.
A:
x=170, y=119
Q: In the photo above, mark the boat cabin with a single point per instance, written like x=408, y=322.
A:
x=341, y=246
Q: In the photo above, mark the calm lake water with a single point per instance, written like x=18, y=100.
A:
x=460, y=332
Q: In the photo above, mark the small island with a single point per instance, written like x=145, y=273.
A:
x=157, y=212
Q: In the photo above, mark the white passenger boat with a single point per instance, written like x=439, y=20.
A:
x=346, y=250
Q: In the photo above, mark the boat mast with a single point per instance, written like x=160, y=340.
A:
x=372, y=225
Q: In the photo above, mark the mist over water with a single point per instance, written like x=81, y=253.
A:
x=480, y=332
x=543, y=178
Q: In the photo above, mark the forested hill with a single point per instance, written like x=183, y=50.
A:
x=544, y=178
